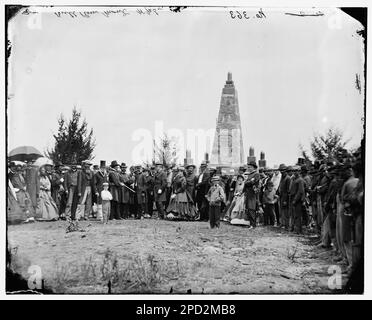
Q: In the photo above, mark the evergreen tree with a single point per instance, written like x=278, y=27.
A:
x=328, y=146
x=73, y=142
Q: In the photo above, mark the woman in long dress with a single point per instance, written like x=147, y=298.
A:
x=181, y=205
x=46, y=208
x=238, y=213
x=15, y=212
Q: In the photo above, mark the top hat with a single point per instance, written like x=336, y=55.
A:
x=114, y=164
x=102, y=164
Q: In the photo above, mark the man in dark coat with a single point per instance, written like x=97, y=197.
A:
x=141, y=190
x=133, y=206
x=85, y=185
x=126, y=180
x=297, y=196
x=251, y=190
x=150, y=191
x=70, y=185
x=57, y=189
x=100, y=177
x=115, y=187
x=284, y=196
x=202, y=188
x=307, y=180
x=160, y=185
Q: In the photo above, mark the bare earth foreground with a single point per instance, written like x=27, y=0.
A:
x=154, y=256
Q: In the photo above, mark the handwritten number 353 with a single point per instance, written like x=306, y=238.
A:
x=239, y=15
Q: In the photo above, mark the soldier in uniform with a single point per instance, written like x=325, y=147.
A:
x=160, y=185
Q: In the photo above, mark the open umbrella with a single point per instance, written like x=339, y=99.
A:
x=43, y=161
x=24, y=153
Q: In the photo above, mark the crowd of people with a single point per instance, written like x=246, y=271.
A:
x=322, y=197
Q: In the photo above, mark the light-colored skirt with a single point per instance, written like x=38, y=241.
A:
x=46, y=209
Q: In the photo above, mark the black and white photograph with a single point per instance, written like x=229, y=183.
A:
x=174, y=150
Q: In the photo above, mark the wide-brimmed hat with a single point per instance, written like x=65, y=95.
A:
x=282, y=167
x=190, y=165
x=114, y=164
x=123, y=165
x=87, y=163
x=96, y=167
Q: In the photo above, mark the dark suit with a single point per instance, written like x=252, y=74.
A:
x=141, y=190
x=125, y=195
x=202, y=189
x=160, y=184
x=99, y=179
x=115, y=186
x=251, y=190
x=284, y=200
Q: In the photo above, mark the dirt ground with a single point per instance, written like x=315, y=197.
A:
x=154, y=256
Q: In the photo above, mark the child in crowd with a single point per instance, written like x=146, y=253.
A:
x=215, y=196
x=106, y=202
x=269, y=199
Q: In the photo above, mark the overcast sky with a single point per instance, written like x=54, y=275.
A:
x=294, y=75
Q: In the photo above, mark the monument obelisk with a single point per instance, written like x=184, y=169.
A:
x=227, y=147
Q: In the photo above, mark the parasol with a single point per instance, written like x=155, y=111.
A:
x=24, y=153
x=43, y=161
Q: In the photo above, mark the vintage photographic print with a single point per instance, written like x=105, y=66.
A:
x=185, y=150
